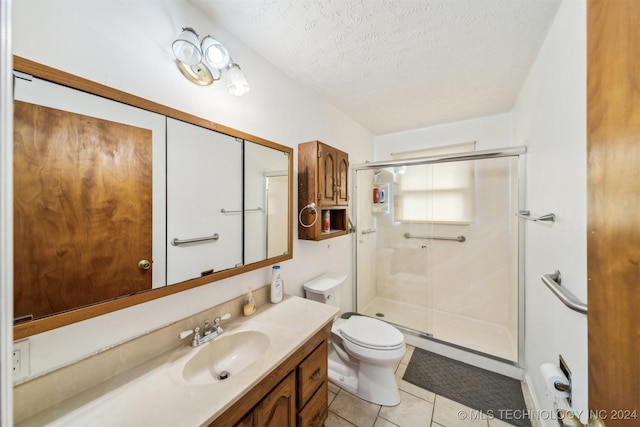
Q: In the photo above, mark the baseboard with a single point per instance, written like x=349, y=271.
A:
x=493, y=365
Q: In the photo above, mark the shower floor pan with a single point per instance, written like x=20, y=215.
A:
x=480, y=336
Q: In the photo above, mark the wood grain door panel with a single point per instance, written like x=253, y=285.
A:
x=327, y=175
x=82, y=210
x=343, y=179
x=278, y=409
x=613, y=240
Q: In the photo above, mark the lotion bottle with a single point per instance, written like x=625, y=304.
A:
x=277, y=285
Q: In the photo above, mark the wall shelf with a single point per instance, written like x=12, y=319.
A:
x=380, y=198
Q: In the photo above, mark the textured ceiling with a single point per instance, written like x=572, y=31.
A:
x=396, y=65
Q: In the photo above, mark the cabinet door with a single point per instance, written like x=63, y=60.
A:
x=327, y=177
x=278, y=408
x=342, y=175
x=247, y=421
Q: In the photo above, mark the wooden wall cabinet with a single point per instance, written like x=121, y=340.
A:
x=294, y=393
x=323, y=179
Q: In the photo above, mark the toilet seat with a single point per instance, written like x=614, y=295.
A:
x=371, y=333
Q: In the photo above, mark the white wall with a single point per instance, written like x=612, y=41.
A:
x=488, y=132
x=126, y=45
x=550, y=118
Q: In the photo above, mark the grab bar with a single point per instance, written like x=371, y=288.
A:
x=369, y=231
x=258, y=209
x=527, y=215
x=456, y=239
x=553, y=282
x=178, y=242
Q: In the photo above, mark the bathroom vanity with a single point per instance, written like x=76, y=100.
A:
x=284, y=384
x=295, y=393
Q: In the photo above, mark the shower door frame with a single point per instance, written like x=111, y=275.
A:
x=516, y=151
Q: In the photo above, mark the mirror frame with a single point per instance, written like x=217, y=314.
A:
x=83, y=313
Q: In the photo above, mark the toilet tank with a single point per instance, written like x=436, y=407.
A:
x=325, y=289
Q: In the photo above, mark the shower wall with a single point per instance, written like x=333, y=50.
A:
x=462, y=293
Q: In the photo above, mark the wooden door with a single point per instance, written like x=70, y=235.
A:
x=82, y=210
x=327, y=178
x=613, y=240
x=278, y=408
x=342, y=175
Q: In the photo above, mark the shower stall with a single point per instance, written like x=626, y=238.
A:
x=438, y=250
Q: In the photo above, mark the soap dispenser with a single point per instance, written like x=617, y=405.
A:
x=249, y=304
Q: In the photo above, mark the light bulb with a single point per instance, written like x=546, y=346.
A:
x=238, y=84
x=186, y=47
x=215, y=53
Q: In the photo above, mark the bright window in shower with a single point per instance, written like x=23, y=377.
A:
x=441, y=193
x=449, y=272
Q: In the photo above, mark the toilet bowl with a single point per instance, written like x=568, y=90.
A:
x=363, y=351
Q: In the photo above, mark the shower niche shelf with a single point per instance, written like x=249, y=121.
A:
x=380, y=198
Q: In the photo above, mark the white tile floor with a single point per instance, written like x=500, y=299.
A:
x=418, y=408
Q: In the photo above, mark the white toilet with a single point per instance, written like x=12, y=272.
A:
x=362, y=350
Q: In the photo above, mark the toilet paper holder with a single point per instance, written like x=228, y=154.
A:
x=560, y=386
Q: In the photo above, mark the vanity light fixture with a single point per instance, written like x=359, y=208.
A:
x=203, y=62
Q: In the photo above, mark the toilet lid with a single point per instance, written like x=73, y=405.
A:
x=371, y=333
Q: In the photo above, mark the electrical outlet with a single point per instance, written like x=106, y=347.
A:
x=21, y=364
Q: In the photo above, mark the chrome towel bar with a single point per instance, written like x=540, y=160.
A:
x=258, y=209
x=456, y=239
x=369, y=231
x=527, y=215
x=553, y=282
x=177, y=242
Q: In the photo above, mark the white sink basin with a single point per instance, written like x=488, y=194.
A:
x=225, y=356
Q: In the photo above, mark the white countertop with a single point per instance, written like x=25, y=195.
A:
x=154, y=394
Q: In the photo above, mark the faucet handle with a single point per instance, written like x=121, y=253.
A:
x=196, y=336
x=185, y=334
x=225, y=316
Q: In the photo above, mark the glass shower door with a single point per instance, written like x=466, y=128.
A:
x=441, y=259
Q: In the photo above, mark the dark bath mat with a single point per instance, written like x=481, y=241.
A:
x=493, y=394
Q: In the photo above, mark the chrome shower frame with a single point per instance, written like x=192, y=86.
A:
x=517, y=151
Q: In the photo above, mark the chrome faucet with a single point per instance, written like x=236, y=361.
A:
x=208, y=333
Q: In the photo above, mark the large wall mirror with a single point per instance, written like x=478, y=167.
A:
x=119, y=200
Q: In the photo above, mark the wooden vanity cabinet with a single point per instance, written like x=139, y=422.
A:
x=278, y=408
x=323, y=179
x=313, y=397
x=294, y=394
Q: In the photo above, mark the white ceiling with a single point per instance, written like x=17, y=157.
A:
x=395, y=65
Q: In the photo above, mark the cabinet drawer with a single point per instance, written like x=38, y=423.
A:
x=315, y=413
x=311, y=373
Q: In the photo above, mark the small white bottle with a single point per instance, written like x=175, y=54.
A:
x=277, y=285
